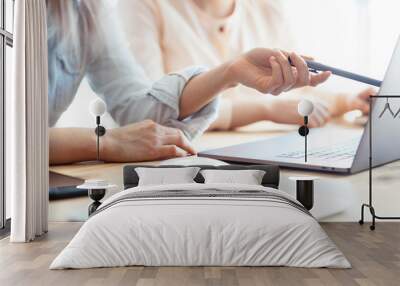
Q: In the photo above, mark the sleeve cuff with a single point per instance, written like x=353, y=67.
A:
x=169, y=88
x=168, y=91
x=198, y=123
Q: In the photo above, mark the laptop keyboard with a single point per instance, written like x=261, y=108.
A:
x=339, y=152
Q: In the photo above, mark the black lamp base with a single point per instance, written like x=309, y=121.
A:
x=100, y=130
x=96, y=195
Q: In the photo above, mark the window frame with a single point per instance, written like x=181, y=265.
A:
x=6, y=39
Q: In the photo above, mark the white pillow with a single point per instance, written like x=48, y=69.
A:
x=247, y=177
x=166, y=176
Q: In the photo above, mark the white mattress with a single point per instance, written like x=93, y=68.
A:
x=191, y=231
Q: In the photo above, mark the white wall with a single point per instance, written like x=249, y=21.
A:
x=385, y=28
x=358, y=35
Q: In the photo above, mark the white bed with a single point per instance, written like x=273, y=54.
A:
x=143, y=226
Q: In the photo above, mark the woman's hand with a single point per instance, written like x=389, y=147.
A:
x=144, y=141
x=265, y=70
x=284, y=110
x=269, y=71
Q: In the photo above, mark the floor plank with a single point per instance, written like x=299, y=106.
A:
x=375, y=257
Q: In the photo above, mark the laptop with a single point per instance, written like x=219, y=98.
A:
x=337, y=151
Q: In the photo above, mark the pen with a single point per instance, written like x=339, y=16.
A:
x=315, y=67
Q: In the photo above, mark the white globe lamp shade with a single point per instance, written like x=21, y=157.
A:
x=97, y=107
x=305, y=107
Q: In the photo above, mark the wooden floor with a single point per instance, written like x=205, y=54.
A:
x=375, y=257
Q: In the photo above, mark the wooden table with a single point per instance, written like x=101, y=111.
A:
x=337, y=197
x=112, y=172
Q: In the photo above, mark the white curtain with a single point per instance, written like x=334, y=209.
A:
x=27, y=124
